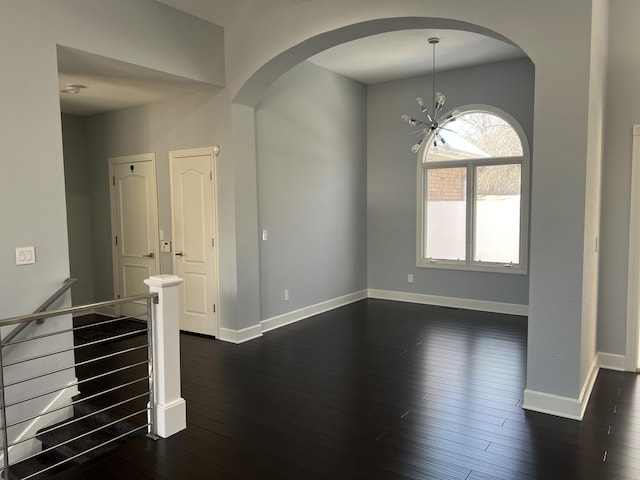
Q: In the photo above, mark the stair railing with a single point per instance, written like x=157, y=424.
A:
x=101, y=381
x=66, y=285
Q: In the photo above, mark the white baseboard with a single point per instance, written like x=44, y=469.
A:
x=612, y=361
x=469, y=304
x=171, y=418
x=255, y=331
x=50, y=415
x=552, y=404
x=560, y=406
x=106, y=311
x=587, y=387
x=240, y=336
x=306, y=312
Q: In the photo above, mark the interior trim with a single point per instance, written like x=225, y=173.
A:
x=306, y=312
x=566, y=407
x=466, y=303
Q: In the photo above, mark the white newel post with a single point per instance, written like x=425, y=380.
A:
x=170, y=407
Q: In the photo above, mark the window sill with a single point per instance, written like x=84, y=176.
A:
x=485, y=268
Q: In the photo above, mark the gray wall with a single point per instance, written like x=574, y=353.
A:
x=392, y=178
x=623, y=111
x=186, y=121
x=311, y=163
x=560, y=45
x=32, y=184
x=150, y=34
x=77, y=177
x=30, y=123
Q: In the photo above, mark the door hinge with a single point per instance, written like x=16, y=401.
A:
x=113, y=180
x=213, y=243
x=116, y=240
x=214, y=308
x=210, y=175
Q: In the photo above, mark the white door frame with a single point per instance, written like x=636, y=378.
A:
x=213, y=152
x=633, y=279
x=143, y=157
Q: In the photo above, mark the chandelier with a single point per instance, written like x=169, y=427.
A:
x=432, y=123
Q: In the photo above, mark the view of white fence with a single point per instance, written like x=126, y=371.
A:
x=497, y=229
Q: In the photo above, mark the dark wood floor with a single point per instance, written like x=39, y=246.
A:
x=380, y=390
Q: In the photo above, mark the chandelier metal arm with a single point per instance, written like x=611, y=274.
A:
x=432, y=124
x=434, y=41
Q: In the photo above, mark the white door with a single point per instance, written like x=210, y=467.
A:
x=195, y=259
x=134, y=223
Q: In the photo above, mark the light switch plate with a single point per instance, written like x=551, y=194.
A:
x=25, y=255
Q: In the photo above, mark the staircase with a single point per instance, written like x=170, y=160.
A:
x=123, y=388
x=111, y=409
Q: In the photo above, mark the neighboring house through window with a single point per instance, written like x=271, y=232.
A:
x=473, y=193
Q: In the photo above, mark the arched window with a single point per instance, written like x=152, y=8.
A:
x=473, y=194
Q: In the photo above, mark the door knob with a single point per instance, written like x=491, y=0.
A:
x=179, y=254
x=150, y=255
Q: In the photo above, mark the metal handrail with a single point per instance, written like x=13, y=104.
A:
x=118, y=401
x=67, y=284
x=75, y=310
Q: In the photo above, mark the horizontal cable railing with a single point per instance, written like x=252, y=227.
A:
x=77, y=384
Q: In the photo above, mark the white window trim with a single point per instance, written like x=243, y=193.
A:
x=469, y=264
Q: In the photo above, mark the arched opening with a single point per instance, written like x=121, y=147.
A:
x=250, y=91
x=282, y=116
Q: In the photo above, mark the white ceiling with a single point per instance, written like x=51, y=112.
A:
x=112, y=84
x=388, y=56
x=407, y=53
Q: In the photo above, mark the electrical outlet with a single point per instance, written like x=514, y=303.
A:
x=410, y=278
x=286, y=295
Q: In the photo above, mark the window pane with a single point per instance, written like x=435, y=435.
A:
x=446, y=213
x=475, y=135
x=497, y=209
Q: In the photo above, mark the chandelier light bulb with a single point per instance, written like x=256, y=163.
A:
x=416, y=147
x=423, y=107
x=411, y=121
x=440, y=99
